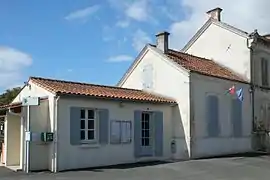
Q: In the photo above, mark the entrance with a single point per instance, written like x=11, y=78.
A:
x=146, y=134
x=13, y=141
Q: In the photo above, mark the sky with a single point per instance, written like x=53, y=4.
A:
x=95, y=41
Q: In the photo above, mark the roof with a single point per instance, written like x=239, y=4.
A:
x=62, y=87
x=202, y=65
x=218, y=23
x=12, y=105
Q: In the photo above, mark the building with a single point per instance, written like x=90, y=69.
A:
x=169, y=105
x=246, y=54
x=93, y=125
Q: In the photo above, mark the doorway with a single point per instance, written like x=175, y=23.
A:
x=147, y=140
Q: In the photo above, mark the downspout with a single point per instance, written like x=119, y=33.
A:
x=252, y=86
x=55, y=131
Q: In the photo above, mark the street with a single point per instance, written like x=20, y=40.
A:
x=228, y=168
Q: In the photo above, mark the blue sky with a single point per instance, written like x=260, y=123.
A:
x=87, y=40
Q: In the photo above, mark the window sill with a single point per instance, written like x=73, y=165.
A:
x=89, y=145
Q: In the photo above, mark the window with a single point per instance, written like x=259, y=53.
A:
x=87, y=125
x=212, y=115
x=120, y=132
x=148, y=76
x=145, y=133
x=236, y=117
x=264, y=71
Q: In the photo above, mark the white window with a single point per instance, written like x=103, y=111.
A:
x=88, y=125
x=120, y=132
x=264, y=71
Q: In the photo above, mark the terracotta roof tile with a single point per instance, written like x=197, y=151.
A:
x=202, y=65
x=100, y=91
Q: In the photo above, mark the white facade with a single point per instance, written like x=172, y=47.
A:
x=93, y=155
x=169, y=80
x=190, y=91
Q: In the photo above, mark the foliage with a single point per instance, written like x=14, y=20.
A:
x=9, y=95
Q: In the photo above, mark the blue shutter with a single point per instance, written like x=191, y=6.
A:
x=158, y=133
x=74, y=126
x=212, y=115
x=236, y=117
x=103, y=126
x=137, y=133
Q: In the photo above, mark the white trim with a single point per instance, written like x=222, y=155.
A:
x=86, y=129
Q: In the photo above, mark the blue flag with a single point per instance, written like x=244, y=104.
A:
x=239, y=94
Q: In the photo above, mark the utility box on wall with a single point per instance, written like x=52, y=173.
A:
x=47, y=136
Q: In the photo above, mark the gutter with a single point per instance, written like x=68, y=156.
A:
x=252, y=86
x=55, y=131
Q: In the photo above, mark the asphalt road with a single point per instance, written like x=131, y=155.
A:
x=229, y=168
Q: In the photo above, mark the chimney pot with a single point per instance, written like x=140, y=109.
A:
x=162, y=41
x=215, y=13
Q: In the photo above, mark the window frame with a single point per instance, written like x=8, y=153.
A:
x=86, y=128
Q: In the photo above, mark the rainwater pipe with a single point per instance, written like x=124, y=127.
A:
x=55, y=132
x=250, y=40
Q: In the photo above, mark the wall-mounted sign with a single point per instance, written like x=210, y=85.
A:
x=47, y=136
x=31, y=101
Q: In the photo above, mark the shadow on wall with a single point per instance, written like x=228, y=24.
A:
x=181, y=142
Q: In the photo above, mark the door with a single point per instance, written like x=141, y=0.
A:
x=146, y=134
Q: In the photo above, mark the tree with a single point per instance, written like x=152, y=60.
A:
x=8, y=96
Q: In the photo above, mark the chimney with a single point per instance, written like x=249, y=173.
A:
x=215, y=13
x=162, y=39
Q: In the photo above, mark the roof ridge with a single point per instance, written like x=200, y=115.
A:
x=82, y=83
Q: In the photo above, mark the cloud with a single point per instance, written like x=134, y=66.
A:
x=246, y=18
x=139, y=10
x=83, y=13
x=140, y=39
x=122, y=24
x=12, y=64
x=120, y=58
